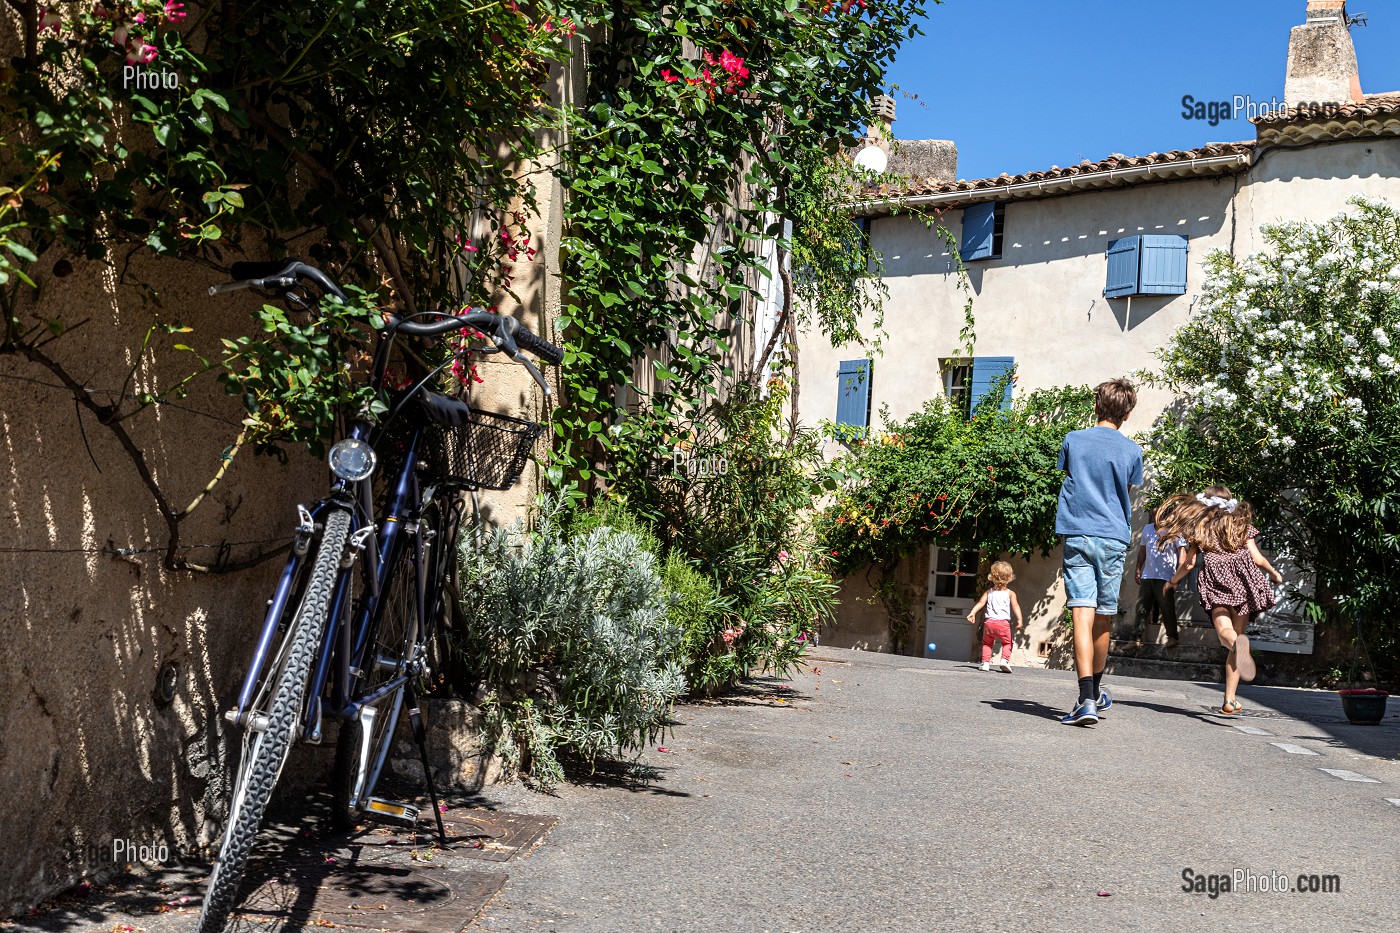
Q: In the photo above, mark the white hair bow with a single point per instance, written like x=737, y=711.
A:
x=1228, y=505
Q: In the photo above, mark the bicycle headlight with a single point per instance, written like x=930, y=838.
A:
x=351, y=459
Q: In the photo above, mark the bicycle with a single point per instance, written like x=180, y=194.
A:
x=355, y=646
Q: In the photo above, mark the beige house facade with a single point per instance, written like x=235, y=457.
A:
x=1044, y=255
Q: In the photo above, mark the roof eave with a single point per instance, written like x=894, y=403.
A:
x=1156, y=172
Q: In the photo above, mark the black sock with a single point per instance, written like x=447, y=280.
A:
x=1097, y=677
x=1086, y=689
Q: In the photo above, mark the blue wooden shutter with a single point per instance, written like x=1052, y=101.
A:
x=1123, y=260
x=985, y=370
x=1163, y=266
x=978, y=232
x=853, y=394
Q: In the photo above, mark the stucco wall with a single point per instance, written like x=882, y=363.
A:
x=1042, y=303
x=87, y=755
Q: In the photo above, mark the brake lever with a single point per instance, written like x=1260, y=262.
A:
x=523, y=360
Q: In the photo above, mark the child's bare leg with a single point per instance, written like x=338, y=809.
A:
x=1243, y=659
x=1084, y=638
x=1223, y=621
x=1232, y=679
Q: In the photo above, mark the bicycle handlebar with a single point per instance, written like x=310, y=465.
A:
x=506, y=332
x=276, y=274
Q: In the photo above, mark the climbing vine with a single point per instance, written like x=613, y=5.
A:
x=712, y=128
x=383, y=142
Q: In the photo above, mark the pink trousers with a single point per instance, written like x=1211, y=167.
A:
x=996, y=630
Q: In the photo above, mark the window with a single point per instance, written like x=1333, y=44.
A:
x=957, y=378
x=853, y=394
x=966, y=382
x=860, y=260
x=1146, y=265
x=982, y=229
x=955, y=574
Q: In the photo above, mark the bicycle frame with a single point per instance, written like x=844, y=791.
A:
x=343, y=643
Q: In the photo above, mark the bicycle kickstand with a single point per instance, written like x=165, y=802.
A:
x=420, y=735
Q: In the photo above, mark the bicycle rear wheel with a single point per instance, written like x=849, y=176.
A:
x=395, y=648
x=269, y=737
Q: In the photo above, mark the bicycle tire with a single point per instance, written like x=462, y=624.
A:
x=395, y=638
x=268, y=752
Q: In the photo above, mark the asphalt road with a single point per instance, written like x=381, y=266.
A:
x=879, y=794
x=894, y=794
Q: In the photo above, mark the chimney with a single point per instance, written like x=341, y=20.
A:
x=1321, y=58
x=881, y=131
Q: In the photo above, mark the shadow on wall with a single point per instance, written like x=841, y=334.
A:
x=862, y=622
x=1133, y=312
x=93, y=751
x=1045, y=231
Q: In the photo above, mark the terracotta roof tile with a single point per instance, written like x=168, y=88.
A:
x=919, y=186
x=1371, y=105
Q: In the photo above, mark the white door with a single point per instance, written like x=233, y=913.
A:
x=952, y=591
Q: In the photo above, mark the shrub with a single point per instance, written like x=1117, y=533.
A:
x=1291, y=399
x=739, y=521
x=572, y=638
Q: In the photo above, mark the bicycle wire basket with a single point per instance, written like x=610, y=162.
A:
x=488, y=452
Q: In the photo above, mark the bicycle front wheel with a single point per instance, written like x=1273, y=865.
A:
x=265, y=752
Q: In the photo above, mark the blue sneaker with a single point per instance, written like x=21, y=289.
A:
x=1083, y=714
x=1105, y=700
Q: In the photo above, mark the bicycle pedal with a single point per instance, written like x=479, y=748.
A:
x=388, y=811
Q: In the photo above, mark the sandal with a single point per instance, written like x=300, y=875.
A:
x=1232, y=708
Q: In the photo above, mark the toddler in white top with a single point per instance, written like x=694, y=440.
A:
x=1001, y=604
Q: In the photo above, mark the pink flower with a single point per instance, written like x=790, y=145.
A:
x=119, y=35
x=139, y=18
x=49, y=19
x=139, y=52
x=784, y=557
x=174, y=11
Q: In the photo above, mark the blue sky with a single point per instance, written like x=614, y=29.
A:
x=1021, y=85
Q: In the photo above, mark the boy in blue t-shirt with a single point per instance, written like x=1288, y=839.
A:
x=1094, y=521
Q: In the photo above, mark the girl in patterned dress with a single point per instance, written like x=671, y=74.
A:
x=1219, y=529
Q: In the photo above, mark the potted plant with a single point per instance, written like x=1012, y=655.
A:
x=1362, y=705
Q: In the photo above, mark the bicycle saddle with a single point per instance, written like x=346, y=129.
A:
x=442, y=409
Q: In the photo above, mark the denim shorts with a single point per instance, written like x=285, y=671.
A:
x=1094, y=572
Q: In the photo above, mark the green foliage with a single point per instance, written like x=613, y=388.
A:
x=730, y=499
x=1291, y=399
x=707, y=126
x=571, y=636
x=387, y=136
x=295, y=378
x=982, y=480
x=838, y=279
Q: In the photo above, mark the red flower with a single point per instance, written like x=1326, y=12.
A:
x=733, y=65
x=668, y=77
